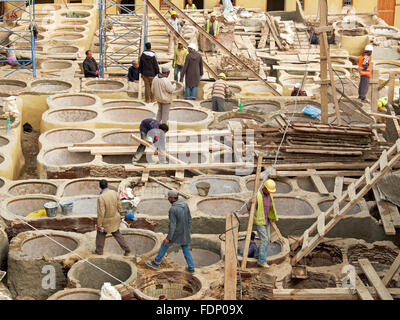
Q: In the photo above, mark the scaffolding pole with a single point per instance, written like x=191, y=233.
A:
x=18, y=41
x=120, y=34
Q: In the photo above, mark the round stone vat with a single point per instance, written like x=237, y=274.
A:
x=91, y=277
x=72, y=100
x=75, y=14
x=86, y=187
x=103, y=85
x=45, y=22
x=4, y=141
x=380, y=256
x=257, y=88
x=219, y=206
x=154, y=207
x=224, y=119
x=281, y=187
x=181, y=104
x=20, y=189
x=135, y=115
x=85, y=205
x=12, y=86
x=171, y=284
x=153, y=188
x=324, y=255
x=76, y=294
x=205, y=252
x=43, y=246
x=62, y=49
x=290, y=206
x=55, y=64
x=50, y=86
x=71, y=115
x=274, y=250
x=74, y=22
x=230, y=104
x=218, y=185
x=121, y=137
x=187, y=115
x=262, y=106
x=123, y=103
x=48, y=8
x=78, y=6
x=69, y=135
x=70, y=29
x=315, y=280
x=299, y=106
x=62, y=157
x=305, y=183
x=66, y=36
x=26, y=205
x=139, y=241
x=325, y=205
x=1, y=183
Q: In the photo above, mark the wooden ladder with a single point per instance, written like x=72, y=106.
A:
x=371, y=176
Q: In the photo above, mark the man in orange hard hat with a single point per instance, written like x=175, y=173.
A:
x=265, y=211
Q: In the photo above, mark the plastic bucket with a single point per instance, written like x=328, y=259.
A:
x=203, y=188
x=51, y=208
x=66, y=207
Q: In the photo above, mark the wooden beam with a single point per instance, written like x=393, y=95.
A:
x=318, y=183
x=338, y=187
x=314, y=294
x=394, y=268
x=145, y=176
x=192, y=166
x=374, y=90
x=362, y=290
x=231, y=242
x=385, y=213
x=374, y=279
x=169, y=187
x=392, y=82
x=323, y=13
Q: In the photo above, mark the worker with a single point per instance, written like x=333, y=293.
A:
x=162, y=89
x=297, y=92
x=365, y=71
x=192, y=72
x=133, y=72
x=175, y=22
x=212, y=27
x=382, y=102
x=180, y=223
x=265, y=211
x=179, y=61
x=153, y=132
x=109, y=219
x=148, y=68
x=253, y=246
x=190, y=5
x=90, y=67
x=219, y=92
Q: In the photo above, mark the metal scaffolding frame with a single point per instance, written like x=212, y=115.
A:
x=122, y=33
x=22, y=39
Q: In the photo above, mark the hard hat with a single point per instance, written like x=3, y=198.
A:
x=213, y=14
x=179, y=42
x=380, y=104
x=270, y=185
x=369, y=47
x=297, y=85
x=173, y=13
x=130, y=216
x=222, y=75
x=192, y=46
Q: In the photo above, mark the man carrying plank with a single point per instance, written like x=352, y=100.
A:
x=154, y=132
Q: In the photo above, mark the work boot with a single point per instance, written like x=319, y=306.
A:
x=152, y=265
x=189, y=270
x=95, y=252
x=263, y=265
x=127, y=253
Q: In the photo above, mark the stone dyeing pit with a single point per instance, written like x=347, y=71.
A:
x=50, y=86
x=139, y=241
x=73, y=100
x=12, y=86
x=76, y=294
x=63, y=49
x=120, y=138
x=104, y=85
x=66, y=36
x=172, y=284
x=86, y=187
x=85, y=206
x=315, y=280
x=181, y=104
x=381, y=257
x=70, y=29
x=281, y=187
x=123, y=103
x=218, y=185
x=154, y=207
x=43, y=246
x=72, y=115
x=24, y=206
x=292, y=206
x=62, y=157
x=186, y=115
x=219, y=206
x=4, y=141
x=230, y=104
x=274, y=248
x=33, y=188
x=91, y=277
x=262, y=106
x=324, y=255
x=74, y=22
x=69, y=136
x=127, y=114
x=293, y=107
x=54, y=64
x=325, y=205
x=305, y=183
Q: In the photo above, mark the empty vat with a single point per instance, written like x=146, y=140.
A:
x=261, y=106
x=73, y=100
x=43, y=246
x=85, y=205
x=220, y=206
x=63, y=50
x=135, y=115
x=74, y=22
x=187, y=115
x=66, y=36
x=123, y=103
x=24, y=206
x=62, y=136
x=55, y=64
x=70, y=29
x=181, y=104
x=51, y=86
x=218, y=185
x=12, y=86
x=4, y=141
x=76, y=294
x=291, y=206
x=325, y=205
x=103, y=85
x=154, y=207
x=121, y=138
x=139, y=241
x=62, y=157
x=86, y=187
x=71, y=115
x=36, y=187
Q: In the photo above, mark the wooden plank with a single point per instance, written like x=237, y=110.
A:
x=394, y=268
x=385, y=213
x=374, y=90
x=321, y=225
x=362, y=290
x=323, y=13
x=374, y=279
x=383, y=160
x=351, y=191
x=145, y=176
x=314, y=294
x=169, y=187
x=338, y=187
x=231, y=242
x=392, y=83
x=191, y=166
x=180, y=175
x=318, y=183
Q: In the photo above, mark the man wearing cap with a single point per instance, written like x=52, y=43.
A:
x=365, y=71
x=133, y=76
x=212, y=27
x=219, y=92
x=180, y=223
x=265, y=210
x=162, y=89
x=179, y=61
x=176, y=24
x=192, y=71
x=297, y=92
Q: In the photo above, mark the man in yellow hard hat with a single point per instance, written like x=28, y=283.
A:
x=212, y=27
x=219, y=92
x=382, y=102
x=265, y=211
x=175, y=22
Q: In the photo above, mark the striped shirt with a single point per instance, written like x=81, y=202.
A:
x=220, y=89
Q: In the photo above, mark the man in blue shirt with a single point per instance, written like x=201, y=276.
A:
x=133, y=72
